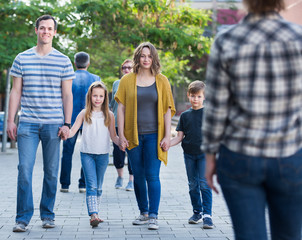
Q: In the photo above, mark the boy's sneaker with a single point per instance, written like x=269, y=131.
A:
x=196, y=218
x=129, y=186
x=208, y=223
x=141, y=220
x=48, y=223
x=119, y=183
x=152, y=224
x=19, y=227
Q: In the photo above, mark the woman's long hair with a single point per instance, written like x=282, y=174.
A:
x=105, y=105
x=155, y=67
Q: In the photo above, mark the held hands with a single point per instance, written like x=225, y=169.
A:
x=165, y=144
x=63, y=132
x=11, y=130
x=123, y=143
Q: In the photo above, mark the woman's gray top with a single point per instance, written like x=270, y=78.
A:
x=147, y=109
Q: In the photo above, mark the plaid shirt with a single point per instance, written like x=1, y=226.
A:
x=254, y=88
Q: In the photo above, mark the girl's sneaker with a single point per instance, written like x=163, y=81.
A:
x=141, y=220
x=152, y=224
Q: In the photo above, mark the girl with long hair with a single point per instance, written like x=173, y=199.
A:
x=98, y=128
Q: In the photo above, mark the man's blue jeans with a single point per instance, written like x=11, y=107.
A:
x=94, y=166
x=195, y=167
x=29, y=136
x=146, y=167
x=249, y=184
x=66, y=163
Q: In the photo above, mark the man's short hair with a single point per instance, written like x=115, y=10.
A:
x=46, y=17
x=81, y=59
x=196, y=86
x=262, y=6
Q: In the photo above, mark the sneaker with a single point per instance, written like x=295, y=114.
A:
x=19, y=227
x=48, y=223
x=119, y=183
x=129, y=186
x=65, y=190
x=82, y=190
x=152, y=224
x=207, y=223
x=196, y=218
x=141, y=220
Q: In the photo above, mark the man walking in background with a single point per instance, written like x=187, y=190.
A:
x=79, y=89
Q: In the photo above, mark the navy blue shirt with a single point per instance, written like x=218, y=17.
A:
x=80, y=87
x=190, y=124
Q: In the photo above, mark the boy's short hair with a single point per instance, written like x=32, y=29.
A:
x=196, y=86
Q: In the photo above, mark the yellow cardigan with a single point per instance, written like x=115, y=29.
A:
x=127, y=95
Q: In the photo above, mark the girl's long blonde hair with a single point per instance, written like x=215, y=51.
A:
x=105, y=105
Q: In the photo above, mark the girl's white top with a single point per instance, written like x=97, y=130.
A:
x=95, y=136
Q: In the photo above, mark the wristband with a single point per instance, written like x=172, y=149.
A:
x=68, y=125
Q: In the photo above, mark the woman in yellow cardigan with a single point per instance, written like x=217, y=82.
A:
x=145, y=108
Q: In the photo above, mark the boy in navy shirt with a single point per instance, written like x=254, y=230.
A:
x=189, y=133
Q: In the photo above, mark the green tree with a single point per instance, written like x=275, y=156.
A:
x=17, y=32
x=110, y=30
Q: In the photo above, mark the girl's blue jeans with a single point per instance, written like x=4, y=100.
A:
x=250, y=184
x=195, y=167
x=94, y=167
x=146, y=167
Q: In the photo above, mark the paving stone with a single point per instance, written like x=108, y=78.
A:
x=118, y=207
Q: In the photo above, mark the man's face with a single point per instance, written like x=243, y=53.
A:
x=46, y=31
x=127, y=68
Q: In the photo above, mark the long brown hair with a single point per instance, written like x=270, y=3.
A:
x=262, y=6
x=155, y=67
x=105, y=105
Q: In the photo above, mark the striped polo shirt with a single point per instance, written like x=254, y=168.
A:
x=42, y=76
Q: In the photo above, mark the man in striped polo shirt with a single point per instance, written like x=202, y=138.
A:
x=42, y=81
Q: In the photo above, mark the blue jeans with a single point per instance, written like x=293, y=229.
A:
x=119, y=157
x=66, y=163
x=29, y=136
x=195, y=167
x=146, y=166
x=94, y=166
x=249, y=184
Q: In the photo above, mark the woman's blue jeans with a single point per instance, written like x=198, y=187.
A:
x=94, y=167
x=249, y=184
x=195, y=167
x=29, y=136
x=146, y=167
